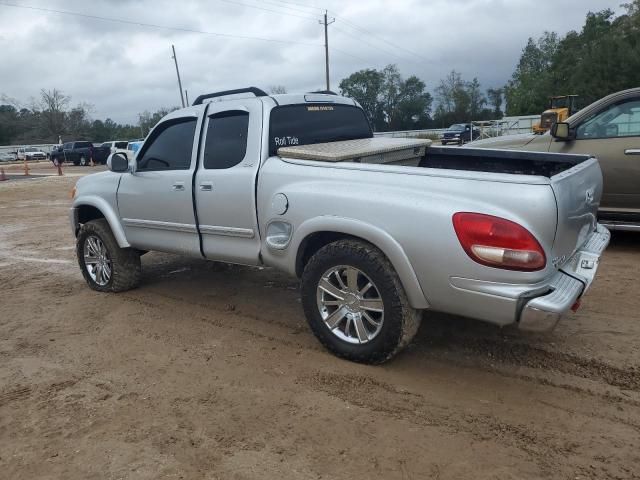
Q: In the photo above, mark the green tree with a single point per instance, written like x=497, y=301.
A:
x=365, y=86
x=529, y=87
x=390, y=101
x=494, y=96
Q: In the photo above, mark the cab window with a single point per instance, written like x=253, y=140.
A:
x=169, y=147
x=226, y=144
x=619, y=120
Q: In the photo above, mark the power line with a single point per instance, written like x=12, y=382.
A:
x=307, y=17
x=374, y=35
x=153, y=25
x=377, y=47
x=290, y=8
x=300, y=5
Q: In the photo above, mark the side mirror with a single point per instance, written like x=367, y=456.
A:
x=118, y=163
x=561, y=131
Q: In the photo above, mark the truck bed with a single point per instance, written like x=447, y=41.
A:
x=419, y=153
x=500, y=161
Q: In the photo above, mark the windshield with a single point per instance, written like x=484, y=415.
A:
x=316, y=123
x=31, y=149
x=457, y=126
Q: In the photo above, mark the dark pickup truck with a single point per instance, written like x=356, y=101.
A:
x=459, y=133
x=80, y=153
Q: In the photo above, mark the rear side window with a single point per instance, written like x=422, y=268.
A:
x=122, y=145
x=316, y=123
x=226, y=144
x=82, y=145
x=170, y=146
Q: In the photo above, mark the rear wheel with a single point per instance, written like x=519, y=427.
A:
x=105, y=266
x=355, y=302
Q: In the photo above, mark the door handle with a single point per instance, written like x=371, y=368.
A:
x=632, y=151
x=178, y=187
x=206, y=187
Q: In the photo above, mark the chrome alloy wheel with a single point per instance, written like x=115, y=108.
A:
x=97, y=260
x=350, y=304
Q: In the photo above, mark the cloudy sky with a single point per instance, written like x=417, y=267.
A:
x=124, y=68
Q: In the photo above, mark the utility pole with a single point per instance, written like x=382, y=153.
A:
x=186, y=96
x=175, y=59
x=326, y=23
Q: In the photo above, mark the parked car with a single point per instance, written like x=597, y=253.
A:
x=610, y=129
x=80, y=153
x=459, y=133
x=8, y=157
x=378, y=229
x=115, y=145
x=31, y=153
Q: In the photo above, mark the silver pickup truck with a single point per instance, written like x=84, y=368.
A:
x=377, y=229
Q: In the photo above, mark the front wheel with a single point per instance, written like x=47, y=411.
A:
x=355, y=303
x=105, y=266
x=83, y=161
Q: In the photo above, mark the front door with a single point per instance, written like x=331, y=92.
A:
x=226, y=179
x=613, y=136
x=155, y=202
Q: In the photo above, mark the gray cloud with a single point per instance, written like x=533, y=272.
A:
x=123, y=69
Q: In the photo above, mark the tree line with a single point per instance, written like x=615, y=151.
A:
x=52, y=117
x=603, y=57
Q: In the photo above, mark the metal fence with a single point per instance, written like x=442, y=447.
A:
x=488, y=128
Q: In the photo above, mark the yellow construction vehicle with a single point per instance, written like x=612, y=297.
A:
x=560, y=108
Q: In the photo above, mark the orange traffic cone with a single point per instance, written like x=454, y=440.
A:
x=3, y=177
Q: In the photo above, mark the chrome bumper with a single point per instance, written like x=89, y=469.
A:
x=571, y=282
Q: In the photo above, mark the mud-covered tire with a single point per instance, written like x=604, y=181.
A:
x=401, y=321
x=126, y=269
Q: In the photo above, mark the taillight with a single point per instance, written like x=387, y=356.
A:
x=497, y=242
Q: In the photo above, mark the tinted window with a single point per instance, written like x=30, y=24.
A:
x=122, y=145
x=315, y=123
x=226, y=143
x=82, y=145
x=619, y=120
x=170, y=146
x=106, y=145
x=66, y=146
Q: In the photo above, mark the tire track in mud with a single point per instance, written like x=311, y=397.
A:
x=233, y=326
x=517, y=354
x=485, y=353
x=383, y=398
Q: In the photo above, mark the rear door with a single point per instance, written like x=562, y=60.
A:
x=155, y=202
x=613, y=136
x=226, y=179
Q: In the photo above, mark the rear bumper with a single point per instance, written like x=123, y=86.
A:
x=574, y=278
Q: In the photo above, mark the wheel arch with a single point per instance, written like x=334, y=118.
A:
x=90, y=208
x=314, y=234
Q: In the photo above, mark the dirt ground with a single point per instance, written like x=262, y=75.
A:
x=209, y=372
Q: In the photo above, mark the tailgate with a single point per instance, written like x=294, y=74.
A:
x=577, y=191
